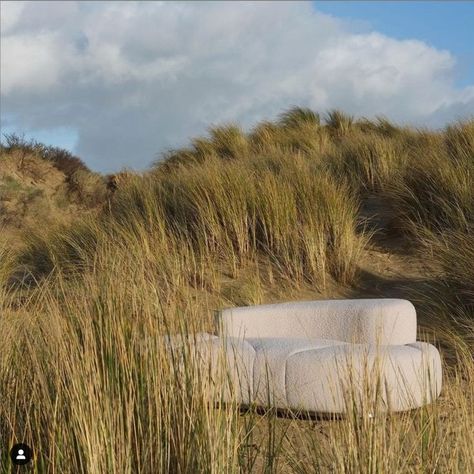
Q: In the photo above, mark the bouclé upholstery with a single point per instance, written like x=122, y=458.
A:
x=325, y=356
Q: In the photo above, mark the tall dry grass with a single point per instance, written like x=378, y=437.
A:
x=436, y=438
x=370, y=161
x=87, y=381
x=436, y=189
x=284, y=210
x=83, y=365
x=85, y=377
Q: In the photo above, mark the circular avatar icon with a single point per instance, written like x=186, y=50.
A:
x=21, y=454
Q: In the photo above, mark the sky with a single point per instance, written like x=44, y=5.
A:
x=442, y=24
x=118, y=83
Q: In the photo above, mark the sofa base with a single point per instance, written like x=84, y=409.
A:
x=322, y=376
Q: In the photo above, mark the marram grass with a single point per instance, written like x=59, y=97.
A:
x=236, y=218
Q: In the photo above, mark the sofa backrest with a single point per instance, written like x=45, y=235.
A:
x=365, y=321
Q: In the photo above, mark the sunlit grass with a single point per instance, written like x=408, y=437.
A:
x=236, y=218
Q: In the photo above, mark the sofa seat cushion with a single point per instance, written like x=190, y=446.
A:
x=230, y=362
x=225, y=364
x=319, y=375
x=269, y=370
x=388, y=378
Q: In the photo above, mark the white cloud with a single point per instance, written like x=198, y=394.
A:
x=30, y=64
x=136, y=78
x=11, y=13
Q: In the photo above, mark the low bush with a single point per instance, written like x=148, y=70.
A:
x=62, y=159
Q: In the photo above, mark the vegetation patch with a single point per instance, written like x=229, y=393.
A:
x=279, y=212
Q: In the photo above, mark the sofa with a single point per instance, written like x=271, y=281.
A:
x=324, y=356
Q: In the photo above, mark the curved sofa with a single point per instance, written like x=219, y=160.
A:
x=325, y=356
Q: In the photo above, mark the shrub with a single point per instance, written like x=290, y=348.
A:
x=62, y=159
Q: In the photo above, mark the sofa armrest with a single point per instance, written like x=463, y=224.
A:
x=363, y=321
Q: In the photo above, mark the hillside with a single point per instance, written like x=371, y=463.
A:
x=41, y=186
x=302, y=207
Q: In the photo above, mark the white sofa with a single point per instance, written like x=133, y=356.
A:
x=324, y=356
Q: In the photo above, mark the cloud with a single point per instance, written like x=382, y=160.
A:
x=136, y=78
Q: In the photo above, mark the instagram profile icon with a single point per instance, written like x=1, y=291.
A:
x=21, y=454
